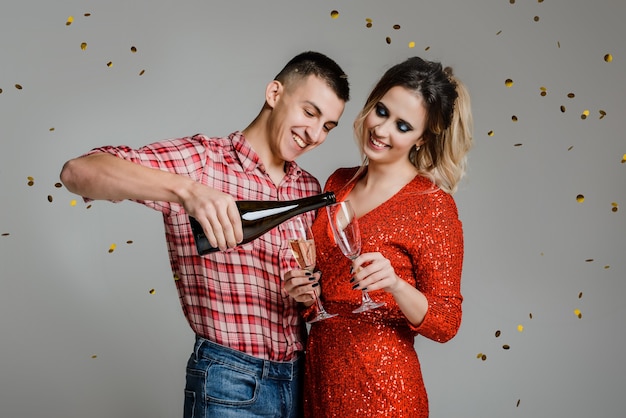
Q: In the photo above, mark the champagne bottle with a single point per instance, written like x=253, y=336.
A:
x=260, y=216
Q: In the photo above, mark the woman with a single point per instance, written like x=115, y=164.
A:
x=414, y=133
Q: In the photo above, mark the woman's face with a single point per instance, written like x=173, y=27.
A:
x=394, y=126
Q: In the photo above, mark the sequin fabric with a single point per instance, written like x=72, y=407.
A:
x=365, y=365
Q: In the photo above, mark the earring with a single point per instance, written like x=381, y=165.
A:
x=417, y=147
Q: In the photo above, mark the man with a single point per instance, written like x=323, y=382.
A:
x=247, y=356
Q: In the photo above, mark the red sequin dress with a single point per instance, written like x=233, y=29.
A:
x=365, y=365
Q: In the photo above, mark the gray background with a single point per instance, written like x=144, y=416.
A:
x=83, y=336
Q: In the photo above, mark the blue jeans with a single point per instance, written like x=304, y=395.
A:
x=225, y=383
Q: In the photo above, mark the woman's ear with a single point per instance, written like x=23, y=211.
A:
x=273, y=91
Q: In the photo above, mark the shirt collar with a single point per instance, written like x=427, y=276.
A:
x=250, y=160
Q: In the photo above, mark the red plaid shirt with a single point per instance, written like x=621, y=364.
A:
x=233, y=298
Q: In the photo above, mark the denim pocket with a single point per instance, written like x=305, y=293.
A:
x=231, y=385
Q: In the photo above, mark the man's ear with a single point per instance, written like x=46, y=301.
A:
x=273, y=92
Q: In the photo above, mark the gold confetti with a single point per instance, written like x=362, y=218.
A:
x=544, y=91
x=152, y=291
x=584, y=114
x=73, y=202
x=5, y=234
x=50, y=198
x=589, y=260
x=483, y=357
x=133, y=49
x=607, y=267
x=427, y=48
x=142, y=72
x=558, y=44
x=508, y=82
x=411, y=44
x=58, y=185
x=130, y=241
x=388, y=40
x=520, y=327
x=570, y=148
x=580, y=198
x=571, y=95
x=512, y=1
x=580, y=295
x=0, y=91
x=615, y=207
x=519, y=144
x=623, y=158
x=578, y=313
x=83, y=46
x=69, y=20
x=490, y=133
x=608, y=58
x=514, y=118
x=536, y=18
x=499, y=32
x=176, y=278
x=31, y=180
x=602, y=114
x=110, y=64
x=497, y=333
x=112, y=248
x=51, y=129
x=94, y=356
x=334, y=14
x=518, y=402
x=87, y=14
x=18, y=86
x=396, y=27
x=562, y=109
x=506, y=346
x=539, y=1
x=530, y=315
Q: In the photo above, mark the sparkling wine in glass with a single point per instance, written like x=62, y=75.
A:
x=302, y=247
x=348, y=237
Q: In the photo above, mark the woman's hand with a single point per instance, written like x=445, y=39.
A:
x=302, y=285
x=372, y=271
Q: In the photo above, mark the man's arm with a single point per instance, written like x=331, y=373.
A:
x=104, y=176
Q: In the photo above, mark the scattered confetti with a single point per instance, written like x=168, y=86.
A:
x=584, y=114
x=368, y=22
x=578, y=313
x=83, y=46
x=31, y=180
x=427, y=48
x=58, y=185
x=5, y=234
x=481, y=356
x=94, y=356
x=87, y=14
x=580, y=295
x=130, y=241
x=110, y=64
x=142, y=72
x=506, y=346
x=0, y=91
x=543, y=90
x=508, y=82
x=520, y=327
x=608, y=58
x=69, y=20
x=73, y=202
x=18, y=86
x=518, y=402
x=490, y=133
x=334, y=14
x=50, y=198
x=602, y=114
x=571, y=95
x=512, y=1
x=536, y=18
x=499, y=32
x=411, y=44
x=558, y=44
x=112, y=248
x=570, y=147
x=497, y=333
x=396, y=27
x=133, y=49
x=623, y=158
x=51, y=129
x=530, y=315
x=589, y=260
x=580, y=198
x=614, y=207
x=176, y=278
x=514, y=118
x=562, y=109
x=152, y=291
x=519, y=144
x=388, y=40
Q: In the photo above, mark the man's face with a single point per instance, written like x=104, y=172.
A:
x=303, y=114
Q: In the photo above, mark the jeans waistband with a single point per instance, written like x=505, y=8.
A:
x=265, y=369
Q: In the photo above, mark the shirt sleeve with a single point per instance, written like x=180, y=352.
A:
x=184, y=156
x=439, y=273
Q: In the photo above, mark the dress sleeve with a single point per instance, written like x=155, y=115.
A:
x=439, y=272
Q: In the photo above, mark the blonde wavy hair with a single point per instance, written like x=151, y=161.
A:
x=449, y=125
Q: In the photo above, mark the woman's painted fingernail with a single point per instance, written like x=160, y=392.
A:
x=307, y=273
x=355, y=286
x=315, y=284
x=312, y=278
x=351, y=269
x=352, y=280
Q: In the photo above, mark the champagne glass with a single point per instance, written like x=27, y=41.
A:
x=302, y=246
x=348, y=237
